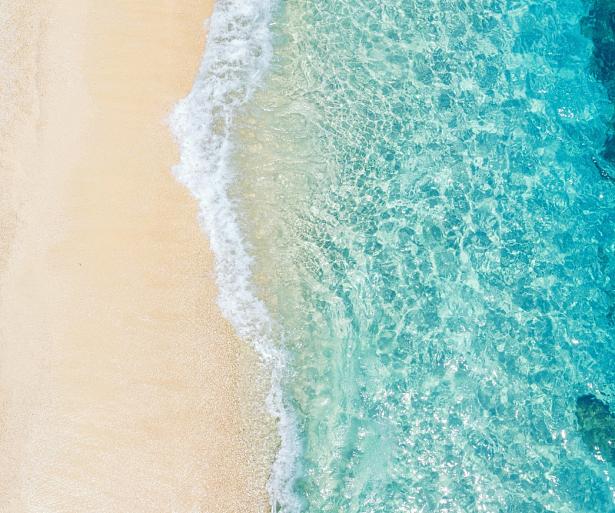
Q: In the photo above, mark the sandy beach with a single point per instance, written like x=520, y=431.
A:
x=122, y=389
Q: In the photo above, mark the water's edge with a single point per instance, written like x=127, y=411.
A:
x=237, y=55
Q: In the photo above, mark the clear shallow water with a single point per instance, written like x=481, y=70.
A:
x=409, y=227
x=435, y=244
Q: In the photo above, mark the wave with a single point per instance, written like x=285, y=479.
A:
x=237, y=56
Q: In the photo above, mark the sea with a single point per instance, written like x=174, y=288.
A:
x=411, y=204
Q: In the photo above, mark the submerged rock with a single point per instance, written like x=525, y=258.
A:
x=597, y=426
x=599, y=25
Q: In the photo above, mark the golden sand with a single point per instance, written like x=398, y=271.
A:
x=121, y=387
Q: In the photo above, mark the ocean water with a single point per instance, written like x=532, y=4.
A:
x=411, y=204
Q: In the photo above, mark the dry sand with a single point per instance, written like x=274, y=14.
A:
x=121, y=387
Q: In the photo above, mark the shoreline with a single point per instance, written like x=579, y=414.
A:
x=122, y=387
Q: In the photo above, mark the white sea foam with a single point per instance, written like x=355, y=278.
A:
x=237, y=56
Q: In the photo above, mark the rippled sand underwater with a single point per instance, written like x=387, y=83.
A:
x=423, y=182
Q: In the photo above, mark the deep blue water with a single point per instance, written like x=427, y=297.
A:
x=436, y=244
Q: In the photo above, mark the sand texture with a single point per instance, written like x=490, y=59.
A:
x=122, y=389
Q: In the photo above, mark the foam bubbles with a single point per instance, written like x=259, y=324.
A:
x=237, y=56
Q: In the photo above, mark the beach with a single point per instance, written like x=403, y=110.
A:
x=122, y=387
x=370, y=271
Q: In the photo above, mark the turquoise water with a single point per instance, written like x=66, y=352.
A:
x=412, y=216
x=436, y=247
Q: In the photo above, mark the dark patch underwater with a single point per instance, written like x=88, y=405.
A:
x=599, y=25
x=597, y=426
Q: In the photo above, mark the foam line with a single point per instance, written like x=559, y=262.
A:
x=237, y=56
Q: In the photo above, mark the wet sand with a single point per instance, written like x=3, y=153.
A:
x=122, y=389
